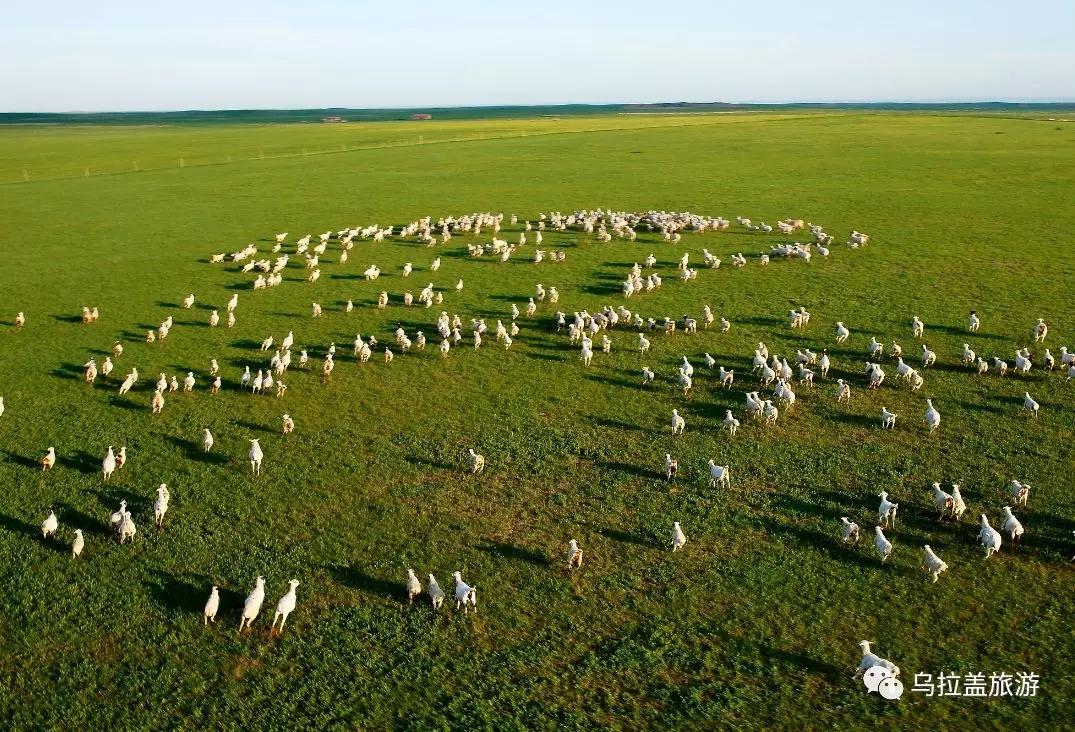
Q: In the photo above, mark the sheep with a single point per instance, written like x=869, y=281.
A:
x=671, y=467
x=1029, y=404
x=256, y=456
x=875, y=374
x=414, y=587
x=475, y=461
x=983, y=366
x=1013, y=527
x=116, y=519
x=989, y=537
x=973, y=322
x=2, y=406
x=647, y=375
x=958, y=506
x=78, y=544
x=436, y=594
x=876, y=348
x=316, y=310
x=678, y=537
x=944, y=502
x=117, y=350
x=127, y=529
x=918, y=327
x=91, y=371
x=842, y=333
x=435, y=265
x=188, y=301
x=285, y=607
x=719, y=474
x=1023, y=363
x=869, y=660
x=106, y=366
x=928, y=357
x=678, y=423
x=932, y=416
x=968, y=355
x=1020, y=493
x=160, y=506
x=888, y=419
x=50, y=525
x=108, y=465
x=725, y=325
x=886, y=510
x=20, y=319
x=709, y=361
x=231, y=320
x=173, y=385
x=157, y=402
x=849, y=531
x=883, y=545
x=289, y=424
x=587, y=356
x=771, y=413
x=188, y=382
x=643, y=344
x=843, y=391
x=574, y=555
x=252, y=605
x=1040, y=331
x=207, y=441
x=49, y=460
x=464, y=594
x=151, y=336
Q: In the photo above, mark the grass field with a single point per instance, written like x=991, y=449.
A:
x=753, y=625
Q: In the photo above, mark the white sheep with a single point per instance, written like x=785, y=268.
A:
x=1013, y=527
x=465, y=594
x=959, y=507
x=289, y=424
x=842, y=333
x=888, y=419
x=108, y=465
x=160, y=506
x=678, y=423
x=849, y=531
x=973, y=322
x=50, y=525
x=285, y=606
x=414, y=587
x=944, y=501
x=671, y=467
x=127, y=529
x=933, y=417
x=574, y=555
x=886, y=510
x=436, y=594
x=918, y=327
x=719, y=474
x=49, y=460
x=78, y=544
x=869, y=660
x=678, y=537
x=1020, y=492
x=1029, y=404
x=252, y=605
x=843, y=391
x=647, y=375
x=730, y=422
x=883, y=545
x=256, y=456
x=989, y=537
x=476, y=462
x=933, y=564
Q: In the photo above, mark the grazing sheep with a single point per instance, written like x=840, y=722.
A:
x=50, y=525
x=678, y=537
x=256, y=456
x=849, y=531
x=869, y=660
x=883, y=545
x=933, y=564
x=574, y=555
x=285, y=606
x=989, y=537
x=1013, y=527
x=78, y=544
x=886, y=510
x=719, y=474
x=476, y=462
x=465, y=594
x=252, y=605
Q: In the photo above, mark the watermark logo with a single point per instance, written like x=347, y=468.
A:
x=881, y=680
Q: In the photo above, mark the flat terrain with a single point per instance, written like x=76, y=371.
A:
x=754, y=624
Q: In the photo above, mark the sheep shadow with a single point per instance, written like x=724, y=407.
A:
x=252, y=426
x=109, y=500
x=128, y=404
x=192, y=449
x=186, y=597
x=359, y=580
x=26, y=462
x=799, y=661
x=510, y=551
x=543, y=356
x=859, y=420
x=617, y=425
x=76, y=519
x=610, y=381
x=83, y=462
x=246, y=343
x=16, y=526
x=289, y=315
x=68, y=318
x=239, y=286
x=963, y=332
x=166, y=304
x=625, y=537
x=424, y=462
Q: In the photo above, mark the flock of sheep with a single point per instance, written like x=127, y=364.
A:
x=582, y=329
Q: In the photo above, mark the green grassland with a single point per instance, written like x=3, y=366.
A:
x=753, y=625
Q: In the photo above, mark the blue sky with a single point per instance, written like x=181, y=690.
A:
x=74, y=55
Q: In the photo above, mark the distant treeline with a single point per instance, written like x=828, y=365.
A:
x=280, y=116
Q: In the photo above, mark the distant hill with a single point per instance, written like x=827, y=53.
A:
x=319, y=116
